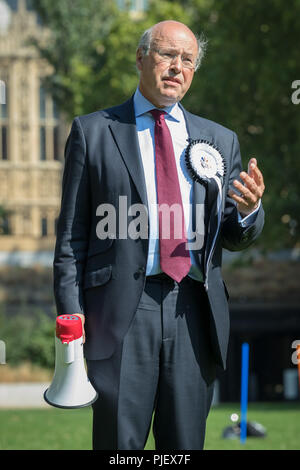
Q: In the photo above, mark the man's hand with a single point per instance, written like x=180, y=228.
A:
x=251, y=191
x=82, y=317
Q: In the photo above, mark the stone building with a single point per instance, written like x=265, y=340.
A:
x=32, y=137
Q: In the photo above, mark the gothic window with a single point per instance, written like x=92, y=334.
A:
x=4, y=142
x=5, y=228
x=4, y=128
x=56, y=143
x=49, y=127
x=42, y=143
x=44, y=226
x=42, y=103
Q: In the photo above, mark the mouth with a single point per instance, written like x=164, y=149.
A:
x=172, y=80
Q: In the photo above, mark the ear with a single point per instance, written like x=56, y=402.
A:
x=139, y=59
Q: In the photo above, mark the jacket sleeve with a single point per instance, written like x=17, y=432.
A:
x=235, y=237
x=73, y=226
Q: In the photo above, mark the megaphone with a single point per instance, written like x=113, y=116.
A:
x=70, y=387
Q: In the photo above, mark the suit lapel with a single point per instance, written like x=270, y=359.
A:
x=123, y=129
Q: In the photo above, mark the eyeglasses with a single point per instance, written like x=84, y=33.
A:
x=169, y=57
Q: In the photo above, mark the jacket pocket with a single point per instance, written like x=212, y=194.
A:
x=98, y=277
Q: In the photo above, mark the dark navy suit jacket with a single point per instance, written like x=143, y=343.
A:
x=104, y=278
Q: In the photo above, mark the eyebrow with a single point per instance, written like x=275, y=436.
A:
x=172, y=49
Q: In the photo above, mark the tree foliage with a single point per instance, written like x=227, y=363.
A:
x=92, y=50
x=245, y=82
x=29, y=337
x=246, y=85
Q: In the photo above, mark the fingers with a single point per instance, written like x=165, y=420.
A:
x=253, y=187
x=258, y=177
x=243, y=204
x=248, y=199
x=250, y=190
x=255, y=173
x=251, y=166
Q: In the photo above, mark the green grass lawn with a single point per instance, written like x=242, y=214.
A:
x=71, y=429
x=281, y=420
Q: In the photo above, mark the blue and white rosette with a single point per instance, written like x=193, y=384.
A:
x=207, y=166
x=205, y=161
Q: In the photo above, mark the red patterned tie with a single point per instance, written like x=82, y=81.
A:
x=174, y=257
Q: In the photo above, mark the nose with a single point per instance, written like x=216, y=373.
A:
x=176, y=64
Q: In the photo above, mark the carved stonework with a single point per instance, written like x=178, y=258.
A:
x=24, y=111
x=3, y=185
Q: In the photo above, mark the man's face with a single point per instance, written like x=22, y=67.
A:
x=167, y=71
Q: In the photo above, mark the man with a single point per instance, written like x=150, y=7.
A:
x=154, y=306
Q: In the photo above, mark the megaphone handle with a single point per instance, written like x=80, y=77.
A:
x=68, y=351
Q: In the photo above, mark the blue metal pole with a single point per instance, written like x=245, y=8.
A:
x=244, y=391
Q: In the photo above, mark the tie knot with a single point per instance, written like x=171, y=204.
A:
x=157, y=114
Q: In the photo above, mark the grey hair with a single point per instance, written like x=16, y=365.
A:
x=146, y=39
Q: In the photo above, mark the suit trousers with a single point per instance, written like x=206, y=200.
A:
x=164, y=365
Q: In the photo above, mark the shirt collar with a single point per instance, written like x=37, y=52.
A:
x=142, y=106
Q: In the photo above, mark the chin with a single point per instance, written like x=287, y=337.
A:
x=170, y=97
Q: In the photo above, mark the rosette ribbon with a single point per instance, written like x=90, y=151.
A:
x=207, y=166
